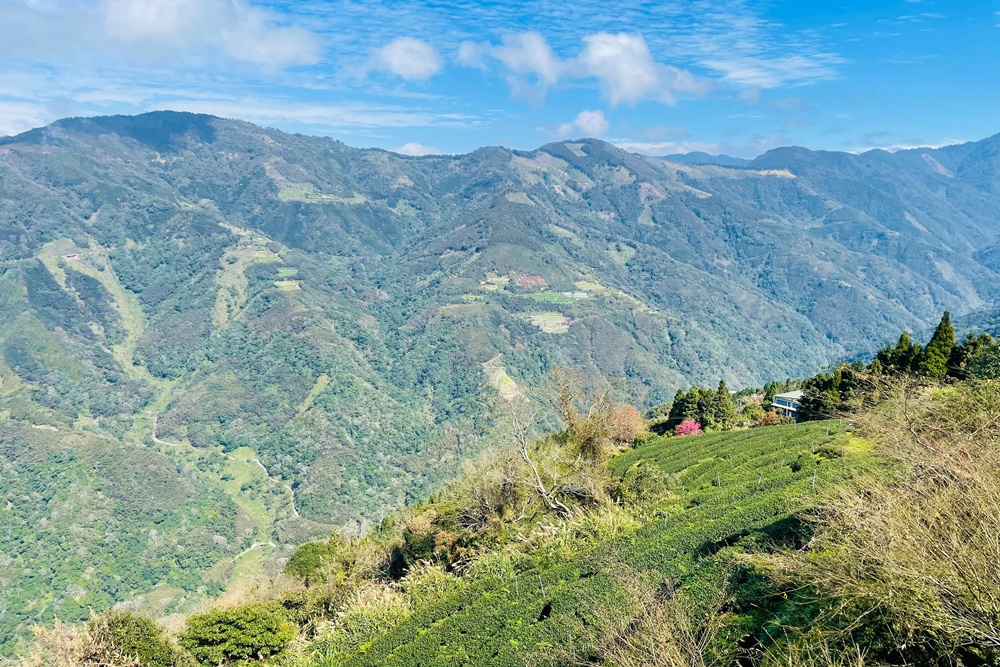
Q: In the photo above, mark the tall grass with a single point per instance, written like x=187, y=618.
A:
x=916, y=554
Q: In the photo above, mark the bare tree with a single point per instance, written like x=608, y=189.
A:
x=521, y=420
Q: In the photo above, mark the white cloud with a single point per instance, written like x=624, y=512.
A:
x=586, y=123
x=327, y=117
x=628, y=73
x=756, y=146
x=176, y=33
x=473, y=54
x=254, y=39
x=246, y=33
x=17, y=117
x=621, y=62
x=659, y=148
x=774, y=72
x=409, y=58
x=528, y=54
x=413, y=148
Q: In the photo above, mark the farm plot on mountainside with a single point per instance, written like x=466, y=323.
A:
x=551, y=322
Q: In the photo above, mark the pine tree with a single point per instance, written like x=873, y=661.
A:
x=705, y=414
x=934, y=359
x=725, y=409
x=903, y=358
x=676, y=415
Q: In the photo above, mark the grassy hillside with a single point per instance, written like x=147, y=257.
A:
x=530, y=587
x=723, y=494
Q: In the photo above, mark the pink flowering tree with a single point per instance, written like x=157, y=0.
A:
x=688, y=427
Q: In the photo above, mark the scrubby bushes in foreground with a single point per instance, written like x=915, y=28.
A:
x=906, y=565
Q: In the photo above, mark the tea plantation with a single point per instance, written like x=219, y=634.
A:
x=727, y=492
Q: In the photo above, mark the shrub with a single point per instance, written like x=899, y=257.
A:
x=307, y=561
x=985, y=364
x=688, y=427
x=771, y=419
x=625, y=424
x=237, y=635
x=120, y=635
x=306, y=606
x=643, y=482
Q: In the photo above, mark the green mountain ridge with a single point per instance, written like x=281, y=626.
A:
x=311, y=335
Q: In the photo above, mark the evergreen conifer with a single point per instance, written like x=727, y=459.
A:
x=934, y=358
x=725, y=409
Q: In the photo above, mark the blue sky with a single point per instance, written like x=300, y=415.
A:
x=732, y=76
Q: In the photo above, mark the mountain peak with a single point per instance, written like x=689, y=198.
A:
x=160, y=130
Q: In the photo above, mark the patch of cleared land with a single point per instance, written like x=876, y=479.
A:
x=551, y=322
x=306, y=192
x=563, y=298
x=289, y=190
x=519, y=198
x=287, y=285
x=494, y=282
x=620, y=253
x=250, y=248
x=496, y=376
x=566, y=234
x=780, y=173
x=588, y=286
x=322, y=382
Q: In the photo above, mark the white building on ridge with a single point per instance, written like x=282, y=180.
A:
x=788, y=404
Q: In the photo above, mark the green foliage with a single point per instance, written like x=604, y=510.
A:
x=237, y=635
x=723, y=409
x=308, y=559
x=985, y=364
x=130, y=636
x=934, y=357
x=850, y=387
x=903, y=358
x=964, y=353
x=712, y=409
x=845, y=389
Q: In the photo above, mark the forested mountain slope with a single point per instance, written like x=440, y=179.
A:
x=314, y=333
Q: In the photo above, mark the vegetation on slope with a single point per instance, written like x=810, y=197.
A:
x=300, y=335
x=861, y=541
x=815, y=543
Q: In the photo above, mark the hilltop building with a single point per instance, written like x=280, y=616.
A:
x=789, y=403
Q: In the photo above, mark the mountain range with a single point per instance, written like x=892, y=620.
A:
x=218, y=340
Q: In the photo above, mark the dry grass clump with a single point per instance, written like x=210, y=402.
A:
x=64, y=645
x=369, y=609
x=814, y=649
x=643, y=624
x=920, y=549
x=114, y=639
